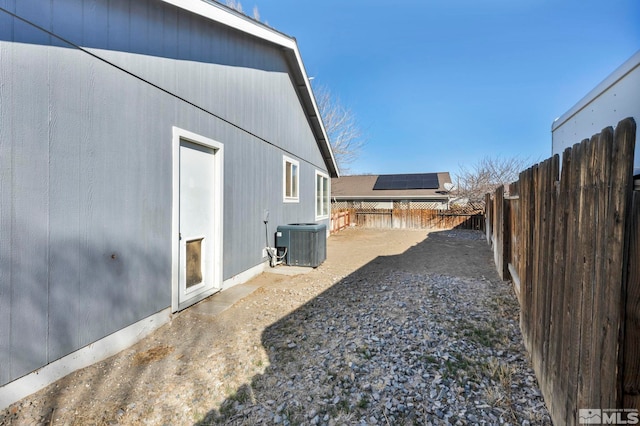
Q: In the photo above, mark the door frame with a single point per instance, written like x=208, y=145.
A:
x=217, y=239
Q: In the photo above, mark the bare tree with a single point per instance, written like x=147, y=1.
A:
x=237, y=6
x=345, y=135
x=486, y=175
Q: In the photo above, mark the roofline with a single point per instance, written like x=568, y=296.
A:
x=617, y=75
x=404, y=174
x=388, y=197
x=233, y=19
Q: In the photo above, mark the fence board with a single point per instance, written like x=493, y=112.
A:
x=573, y=246
x=550, y=195
x=340, y=220
x=557, y=309
x=413, y=218
x=620, y=183
x=377, y=219
x=536, y=265
x=506, y=238
x=488, y=206
x=574, y=284
x=514, y=244
x=527, y=228
x=587, y=255
x=498, y=226
x=631, y=349
x=592, y=349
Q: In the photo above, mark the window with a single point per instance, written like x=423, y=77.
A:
x=291, y=180
x=322, y=195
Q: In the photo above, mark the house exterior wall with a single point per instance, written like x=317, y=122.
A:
x=613, y=100
x=86, y=162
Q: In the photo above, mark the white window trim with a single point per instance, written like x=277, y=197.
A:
x=286, y=199
x=324, y=196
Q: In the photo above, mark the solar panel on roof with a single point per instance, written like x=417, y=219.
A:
x=407, y=181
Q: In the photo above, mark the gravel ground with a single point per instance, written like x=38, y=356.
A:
x=382, y=333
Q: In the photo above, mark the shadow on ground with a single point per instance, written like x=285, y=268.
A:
x=427, y=336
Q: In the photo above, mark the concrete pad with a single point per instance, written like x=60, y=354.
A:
x=223, y=300
x=289, y=270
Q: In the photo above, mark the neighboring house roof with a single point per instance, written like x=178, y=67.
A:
x=361, y=187
x=229, y=17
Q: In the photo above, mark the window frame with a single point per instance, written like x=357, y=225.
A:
x=295, y=182
x=325, y=197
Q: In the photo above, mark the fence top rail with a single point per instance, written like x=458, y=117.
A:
x=379, y=211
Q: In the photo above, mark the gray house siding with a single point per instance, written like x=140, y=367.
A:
x=86, y=162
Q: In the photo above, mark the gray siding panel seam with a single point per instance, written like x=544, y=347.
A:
x=6, y=223
x=159, y=87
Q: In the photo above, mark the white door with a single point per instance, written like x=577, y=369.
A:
x=199, y=228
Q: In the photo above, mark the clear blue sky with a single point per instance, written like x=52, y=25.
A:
x=435, y=84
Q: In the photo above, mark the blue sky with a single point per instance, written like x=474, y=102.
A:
x=435, y=84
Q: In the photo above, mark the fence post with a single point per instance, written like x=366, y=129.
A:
x=498, y=230
x=631, y=343
x=488, y=217
x=506, y=238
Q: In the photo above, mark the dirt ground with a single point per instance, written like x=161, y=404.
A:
x=191, y=365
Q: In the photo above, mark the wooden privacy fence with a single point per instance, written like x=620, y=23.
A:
x=415, y=219
x=572, y=249
x=340, y=220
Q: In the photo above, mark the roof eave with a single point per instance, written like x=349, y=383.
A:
x=389, y=197
x=303, y=87
x=226, y=16
x=618, y=74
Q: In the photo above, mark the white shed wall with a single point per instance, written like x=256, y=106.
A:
x=613, y=100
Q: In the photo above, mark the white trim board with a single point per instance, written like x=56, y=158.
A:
x=95, y=352
x=101, y=349
x=245, y=276
x=178, y=135
x=225, y=16
x=326, y=199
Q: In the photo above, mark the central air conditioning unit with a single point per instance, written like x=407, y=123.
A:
x=302, y=244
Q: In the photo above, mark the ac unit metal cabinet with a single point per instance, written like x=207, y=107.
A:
x=305, y=243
